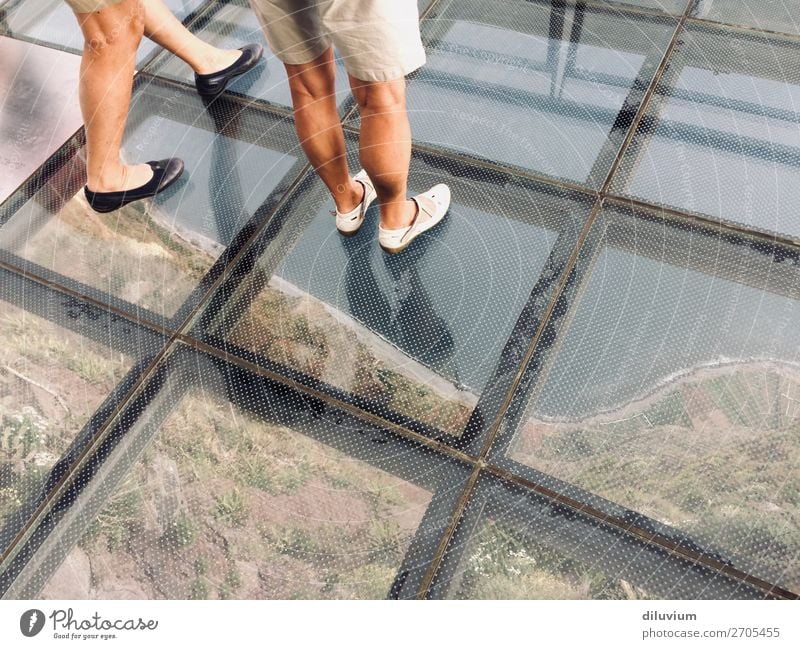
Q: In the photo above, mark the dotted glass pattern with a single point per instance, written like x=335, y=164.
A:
x=52, y=23
x=674, y=390
x=261, y=498
x=769, y=15
x=721, y=137
x=214, y=395
x=230, y=26
x=549, y=88
x=60, y=361
x=512, y=544
x=152, y=254
x=418, y=333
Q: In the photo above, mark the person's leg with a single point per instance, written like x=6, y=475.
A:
x=385, y=146
x=161, y=26
x=112, y=35
x=319, y=129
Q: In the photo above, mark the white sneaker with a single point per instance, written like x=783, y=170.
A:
x=348, y=223
x=432, y=205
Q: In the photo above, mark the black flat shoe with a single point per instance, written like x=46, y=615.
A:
x=211, y=85
x=165, y=172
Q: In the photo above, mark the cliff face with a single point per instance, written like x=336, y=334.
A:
x=225, y=506
x=713, y=453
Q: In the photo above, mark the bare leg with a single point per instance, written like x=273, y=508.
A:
x=112, y=36
x=385, y=146
x=161, y=26
x=319, y=129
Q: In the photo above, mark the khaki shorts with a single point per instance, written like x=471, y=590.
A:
x=378, y=40
x=88, y=6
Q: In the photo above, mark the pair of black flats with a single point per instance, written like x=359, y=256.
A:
x=166, y=172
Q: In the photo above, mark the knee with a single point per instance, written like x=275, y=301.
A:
x=309, y=86
x=381, y=96
x=105, y=34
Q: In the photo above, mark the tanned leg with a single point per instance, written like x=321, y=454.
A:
x=161, y=26
x=319, y=128
x=112, y=36
x=385, y=146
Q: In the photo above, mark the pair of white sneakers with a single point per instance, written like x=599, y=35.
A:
x=432, y=206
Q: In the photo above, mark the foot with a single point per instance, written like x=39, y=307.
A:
x=431, y=207
x=128, y=177
x=350, y=197
x=218, y=61
x=211, y=84
x=162, y=174
x=348, y=223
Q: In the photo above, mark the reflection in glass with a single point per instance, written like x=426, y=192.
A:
x=34, y=80
x=675, y=7
x=51, y=22
x=420, y=333
x=231, y=25
x=675, y=390
x=153, y=253
x=780, y=16
x=546, y=87
x=721, y=138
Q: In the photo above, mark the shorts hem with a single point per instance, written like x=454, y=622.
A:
x=388, y=74
x=292, y=58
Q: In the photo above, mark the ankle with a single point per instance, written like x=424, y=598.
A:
x=397, y=215
x=119, y=179
x=212, y=59
x=108, y=180
x=348, y=197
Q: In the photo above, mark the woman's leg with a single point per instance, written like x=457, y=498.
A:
x=161, y=26
x=112, y=35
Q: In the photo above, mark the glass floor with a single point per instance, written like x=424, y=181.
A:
x=583, y=384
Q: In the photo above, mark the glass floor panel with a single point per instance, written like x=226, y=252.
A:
x=329, y=421
x=61, y=359
x=52, y=22
x=32, y=81
x=721, y=137
x=513, y=545
x=774, y=15
x=674, y=7
x=507, y=562
x=418, y=333
x=674, y=389
x=231, y=26
x=153, y=254
x=252, y=499
x=545, y=87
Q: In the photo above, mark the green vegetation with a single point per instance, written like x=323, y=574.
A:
x=231, y=508
x=295, y=542
x=302, y=335
x=26, y=454
x=50, y=381
x=198, y=589
x=501, y=564
x=119, y=524
x=716, y=457
x=181, y=532
x=265, y=513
